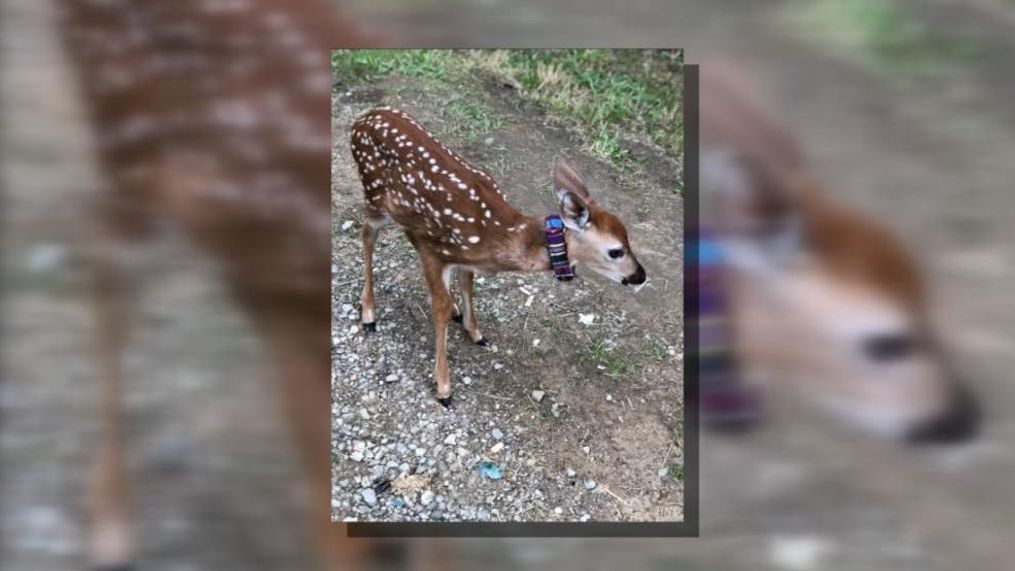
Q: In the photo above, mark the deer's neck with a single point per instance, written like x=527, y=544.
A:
x=531, y=253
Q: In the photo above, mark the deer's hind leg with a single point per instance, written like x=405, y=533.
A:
x=468, y=318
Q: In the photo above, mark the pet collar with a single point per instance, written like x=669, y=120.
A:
x=555, y=245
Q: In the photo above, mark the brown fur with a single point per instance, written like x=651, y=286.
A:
x=213, y=115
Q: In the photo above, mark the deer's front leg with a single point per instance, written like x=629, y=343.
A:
x=437, y=278
x=371, y=227
x=465, y=280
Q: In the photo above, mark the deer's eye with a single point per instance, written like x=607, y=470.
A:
x=890, y=346
x=616, y=253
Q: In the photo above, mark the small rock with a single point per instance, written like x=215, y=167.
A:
x=488, y=141
x=451, y=440
x=538, y=395
x=558, y=510
x=369, y=496
x=391, y=378
x=497, y=434
x=570, y=472
x=497, y=448
x=590, y=484
x=467, y=380
x=346, y=225
x=535, y=342
x=586, y=318
x=497, y=366
x=356, y=456
x=585, y=518
x=45, y=258
x=663, y=472
x=609, y=398
x=587, y=449
x=426, y=497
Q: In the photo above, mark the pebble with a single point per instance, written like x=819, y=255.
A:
x=497, y=366
x=369, y=496
x=497, y=448
x=391, y=378
x=467, y=380
x=497, y=434
x=346, y=225
x=609, y=398
x=558, y=510
x=356, y=456
x=451, y=440
x=426, y=497
x=663, y=471
x=538, y=395
x=590, y=484
x=587, y=449
x=586, y=318
x=570, y=472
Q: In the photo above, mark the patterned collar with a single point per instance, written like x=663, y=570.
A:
x=557, y=247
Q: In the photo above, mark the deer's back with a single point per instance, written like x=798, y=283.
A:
x=434, y=194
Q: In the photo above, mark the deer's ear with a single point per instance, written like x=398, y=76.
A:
x=565, y=181
x=574, y=211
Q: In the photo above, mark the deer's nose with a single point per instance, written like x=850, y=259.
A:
x=637, y=278
x=960, y=422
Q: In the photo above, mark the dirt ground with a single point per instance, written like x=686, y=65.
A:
x=604, y=441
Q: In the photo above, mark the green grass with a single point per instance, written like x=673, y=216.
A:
x=677, y=472
x=608, y=95
x=883, y=34
x=613, y=363
x=471, y=119
x=356, y=66
x=657, y=350
x=611, y=97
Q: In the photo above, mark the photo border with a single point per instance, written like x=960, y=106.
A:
x=689, y=527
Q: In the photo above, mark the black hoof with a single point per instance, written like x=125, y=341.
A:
x=370, y=327
x=483, y=342
x=445, y=402
x=381, y=486
x=458, y=317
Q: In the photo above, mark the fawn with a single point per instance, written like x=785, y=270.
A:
x=458, y=220
x=824, y=299
x=212, y=115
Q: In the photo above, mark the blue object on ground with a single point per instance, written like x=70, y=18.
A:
x=489, y=470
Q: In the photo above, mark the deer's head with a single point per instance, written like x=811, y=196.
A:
x=829, y=302
x=596, y=238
